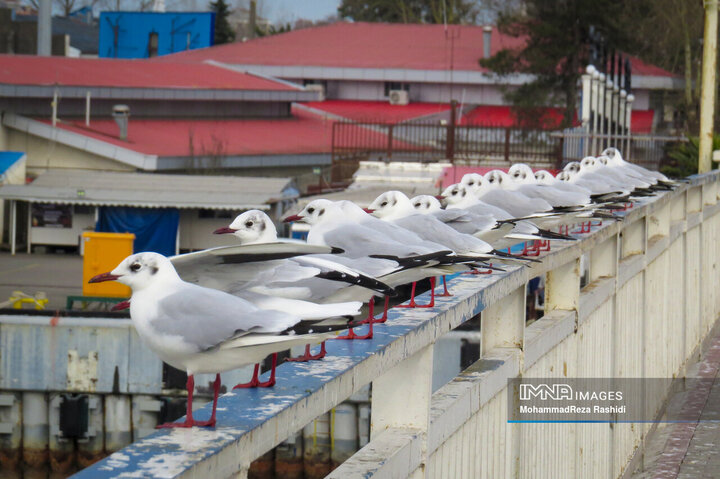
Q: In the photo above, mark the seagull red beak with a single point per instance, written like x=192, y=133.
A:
x=223, y=231
x=104, y=277
x=292, y=218
x=121, y=305
x=439, y=197
x=368, y=211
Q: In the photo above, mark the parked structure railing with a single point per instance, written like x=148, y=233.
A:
x=650, y=301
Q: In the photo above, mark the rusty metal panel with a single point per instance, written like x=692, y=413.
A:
x=10, y=434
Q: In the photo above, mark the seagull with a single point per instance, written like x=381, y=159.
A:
x=527, y=186
x=395, y=207
x=616, y=160
x=202, y=330
x=500, y=234
x=345, y=225
x=488, y=190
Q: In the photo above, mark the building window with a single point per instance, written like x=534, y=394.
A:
x=153, y=44
x=392, y=85
x=188, y=41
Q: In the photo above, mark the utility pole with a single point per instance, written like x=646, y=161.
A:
x=707, y=98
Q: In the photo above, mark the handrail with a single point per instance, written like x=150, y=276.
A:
x=409, y=422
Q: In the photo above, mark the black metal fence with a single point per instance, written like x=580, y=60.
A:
x=429, y=142
x=483, y=145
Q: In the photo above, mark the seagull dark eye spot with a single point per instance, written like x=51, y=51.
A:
x=383, y=204
x=249, y=224
x=135, y=267
x=464, y=193
x=471, y=183
x=322, y=212
x=417, y=205
x=311, y=210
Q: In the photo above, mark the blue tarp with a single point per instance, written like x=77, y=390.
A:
x=154, y=229
x=8, y=158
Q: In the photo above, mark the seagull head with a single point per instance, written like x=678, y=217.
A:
x=391, y=205
x=251, y=227
x=497, y=179
x=139, y=271
x=588, y=163
x=473, y=182
x=602, y=159
x=613, y=155
x=457, y=195
x=573, y=167
x=565, y=176
x=521, y=173
x=544, y=177
x=426, y=204
x=317, y=211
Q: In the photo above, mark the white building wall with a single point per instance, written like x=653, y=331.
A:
x=81, y=222
x=197, y=233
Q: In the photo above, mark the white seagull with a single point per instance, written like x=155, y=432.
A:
x=202, y=330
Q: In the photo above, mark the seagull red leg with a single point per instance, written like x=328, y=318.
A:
x=371, y=312
x=304, y=358
x=351, y=333
x=383, y=318
x=412, y=303
x=189, y=421
x=431, y=304
x=253, y=382
x=445, y=292
x=321, y=354
x=270, y=382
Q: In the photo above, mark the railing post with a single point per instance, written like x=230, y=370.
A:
x=604, y=259
x=390, y=142
x=562, y=287
x=503, y=323
x=401, y=397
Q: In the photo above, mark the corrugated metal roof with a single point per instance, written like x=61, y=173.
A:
x=152, y=190
x=377, y=110
x=303, y=133
x=374, y=45
x=115, y=73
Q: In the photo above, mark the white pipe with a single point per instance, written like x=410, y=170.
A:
x=54, y=107
x=13, y=225
x=87, y=108
x=707, y=97
x=29, y=228
x=44, y=28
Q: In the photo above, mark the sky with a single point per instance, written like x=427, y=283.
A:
x=283, y=11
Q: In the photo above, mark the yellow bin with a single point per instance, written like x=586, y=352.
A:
x=103, y=252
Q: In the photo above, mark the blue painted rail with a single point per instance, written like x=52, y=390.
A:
x=414, y=429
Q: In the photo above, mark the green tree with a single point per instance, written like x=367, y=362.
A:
x=409, y=11
x=556, y=34
x=223, y=32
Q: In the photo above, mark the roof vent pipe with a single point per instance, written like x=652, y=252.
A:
x=121, y=114
x=487, y=38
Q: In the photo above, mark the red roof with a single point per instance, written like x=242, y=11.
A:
x=106, y=72
x=377, y=111
x=302, y=133
x=372, y=45
x=504, y=116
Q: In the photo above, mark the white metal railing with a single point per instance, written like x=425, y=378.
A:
x=649, y=303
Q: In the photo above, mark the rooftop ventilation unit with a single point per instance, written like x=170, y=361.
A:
x=121, y=113
x=398, y=97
